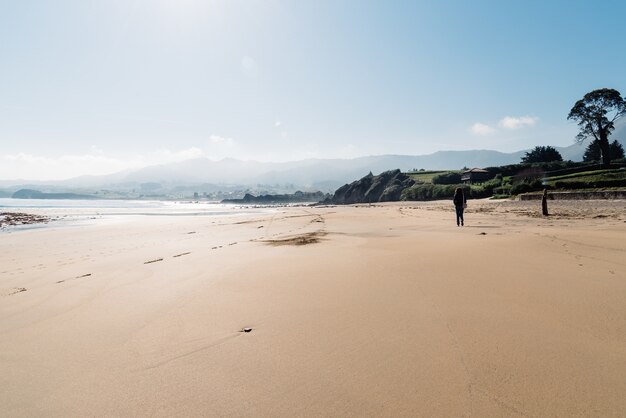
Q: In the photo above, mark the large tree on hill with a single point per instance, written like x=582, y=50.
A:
x=542, y=155
x=596, y=114
x=593, y=152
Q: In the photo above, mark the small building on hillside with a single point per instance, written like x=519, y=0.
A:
x=475, y=175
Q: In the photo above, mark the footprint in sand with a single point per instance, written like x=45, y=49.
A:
x=15, y=291
x=77, y=277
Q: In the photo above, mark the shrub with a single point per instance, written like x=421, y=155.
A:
x=417, y=192
x=525, y=187
x=447, y=178
x=489, y=185
x=570, y=184
x=428, y=192
x=522, y=187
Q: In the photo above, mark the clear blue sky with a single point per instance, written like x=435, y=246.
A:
x=95, y=86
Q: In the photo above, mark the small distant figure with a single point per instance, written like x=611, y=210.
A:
x=544, y=202
x=460, y=203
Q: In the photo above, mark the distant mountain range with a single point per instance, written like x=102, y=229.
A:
x=204, y=175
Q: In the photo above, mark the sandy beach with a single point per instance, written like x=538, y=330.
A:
x=368, y=310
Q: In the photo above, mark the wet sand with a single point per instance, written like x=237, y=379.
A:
x=370, y=310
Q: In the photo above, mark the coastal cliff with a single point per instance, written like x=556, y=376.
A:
x=385, y=187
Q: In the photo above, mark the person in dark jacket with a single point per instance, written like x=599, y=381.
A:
x=459, y=204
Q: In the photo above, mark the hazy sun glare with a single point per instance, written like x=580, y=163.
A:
x=184, y=11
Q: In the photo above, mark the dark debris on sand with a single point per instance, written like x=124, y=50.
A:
x=18, y=218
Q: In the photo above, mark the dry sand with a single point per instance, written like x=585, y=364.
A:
x=384, y=310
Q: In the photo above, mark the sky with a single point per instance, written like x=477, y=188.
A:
x=100, y=86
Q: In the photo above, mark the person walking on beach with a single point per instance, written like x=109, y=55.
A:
x=460, y=203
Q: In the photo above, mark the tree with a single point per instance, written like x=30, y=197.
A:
x=593, y=152
x=542, y=155
x=596, y=114
x=616, y=150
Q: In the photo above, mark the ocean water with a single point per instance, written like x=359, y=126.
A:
x=91, y=203
x=80, y=212
x=135, y=206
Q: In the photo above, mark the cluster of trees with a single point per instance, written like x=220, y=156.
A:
x=594, y=151
x=542, y=155
x=596, y=114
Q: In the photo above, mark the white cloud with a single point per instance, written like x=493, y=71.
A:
x=216, y=139
x=481, y=129
x=249, y=67
x=37, y=167
x=507, y=122
x=512, y=122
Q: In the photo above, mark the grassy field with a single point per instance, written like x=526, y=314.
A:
x=591, y=176
x=588, y=180
x=426, y=177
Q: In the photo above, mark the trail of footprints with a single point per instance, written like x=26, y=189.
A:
x=13, y=291
x=217, y=247
x=156, y=260
x=317, y=219
x=77, y=277
x=16, y=290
